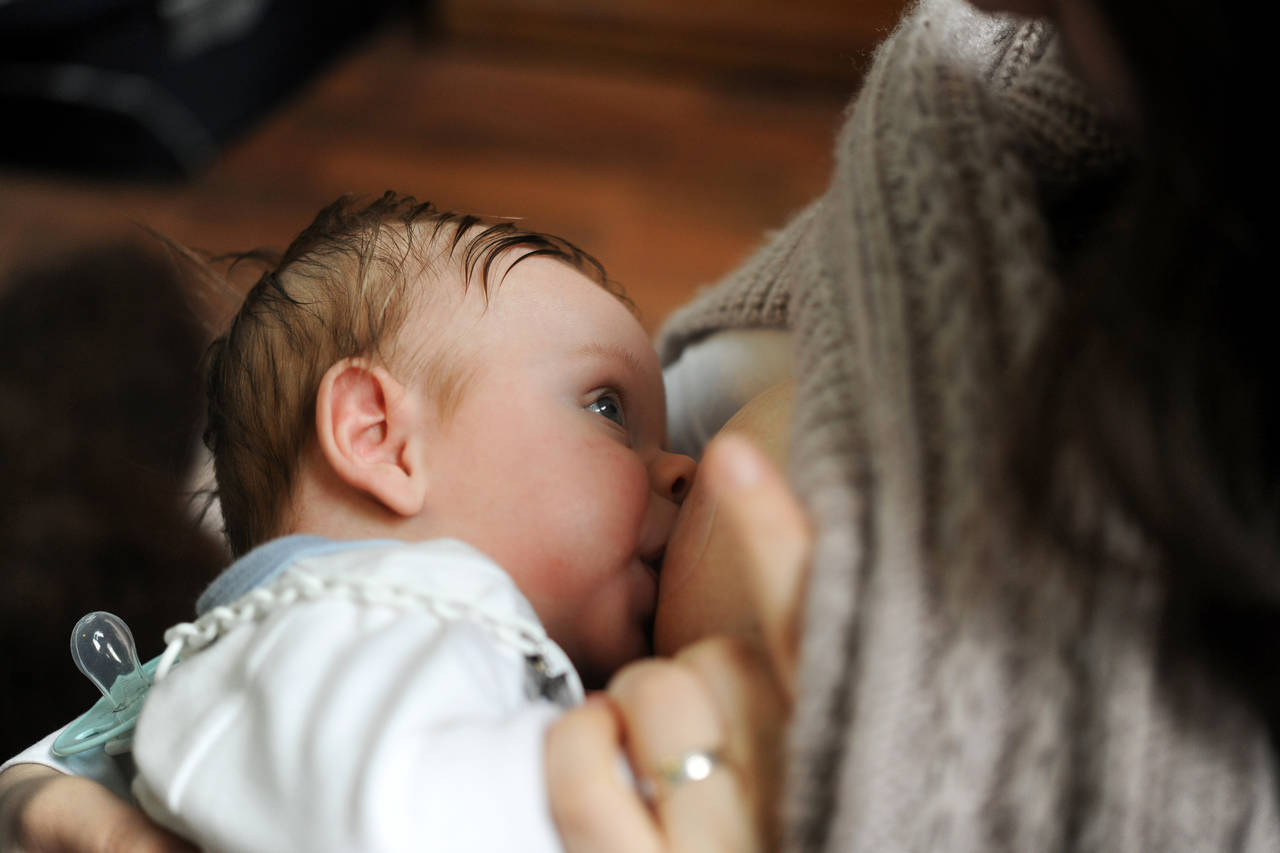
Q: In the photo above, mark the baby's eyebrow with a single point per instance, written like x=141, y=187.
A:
x=613, y=352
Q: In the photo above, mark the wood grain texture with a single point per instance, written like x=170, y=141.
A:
x=669, y=178
x=817, y=39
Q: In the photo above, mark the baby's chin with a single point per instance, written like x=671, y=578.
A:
x=597, y=668
x=624, y=634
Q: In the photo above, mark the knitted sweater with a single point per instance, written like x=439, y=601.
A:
x=961, y=688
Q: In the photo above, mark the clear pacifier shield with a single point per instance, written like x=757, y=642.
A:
x=102, y=647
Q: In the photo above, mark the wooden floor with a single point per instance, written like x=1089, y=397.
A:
x=669, y=178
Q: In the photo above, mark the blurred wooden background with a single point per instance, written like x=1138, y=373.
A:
x=664, y=136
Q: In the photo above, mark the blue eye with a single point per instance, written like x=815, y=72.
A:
x=609, y=405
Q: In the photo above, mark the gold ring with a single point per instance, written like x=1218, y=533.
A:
x=695, y=765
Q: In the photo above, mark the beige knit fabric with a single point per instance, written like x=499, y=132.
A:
x=961, y=689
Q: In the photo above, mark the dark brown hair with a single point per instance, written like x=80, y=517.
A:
x=1160, y=373
x=99, y=417
x=344, y=288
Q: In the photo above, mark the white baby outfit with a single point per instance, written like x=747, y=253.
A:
x=372, y=696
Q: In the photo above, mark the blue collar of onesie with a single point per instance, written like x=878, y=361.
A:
x=267, y=562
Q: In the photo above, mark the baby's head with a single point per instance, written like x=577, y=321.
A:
x=412, y=374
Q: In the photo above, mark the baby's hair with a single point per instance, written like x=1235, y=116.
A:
x=343, y=289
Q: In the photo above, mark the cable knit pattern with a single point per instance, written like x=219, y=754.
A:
x=961, y=688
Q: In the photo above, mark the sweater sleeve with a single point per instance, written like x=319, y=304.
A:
x=337, y=725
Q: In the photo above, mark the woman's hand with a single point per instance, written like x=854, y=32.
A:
x=724, y=697
x=714, y=710
x=43, y=811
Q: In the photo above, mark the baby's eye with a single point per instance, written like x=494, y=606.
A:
x=609, y=405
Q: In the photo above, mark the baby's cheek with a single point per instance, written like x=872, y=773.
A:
x=633, y=497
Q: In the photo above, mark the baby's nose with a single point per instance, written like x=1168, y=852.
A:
x=672, y=475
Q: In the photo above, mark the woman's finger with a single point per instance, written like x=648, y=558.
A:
x=774, y=538
x=593, y=800
x=678, y=747
x=47, y=812
x=741, y=682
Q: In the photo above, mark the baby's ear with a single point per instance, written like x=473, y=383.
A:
x=368, y=428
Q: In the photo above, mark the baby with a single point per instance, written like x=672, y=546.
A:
x=439, y=446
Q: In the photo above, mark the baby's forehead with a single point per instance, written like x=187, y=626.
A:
x=448, y=298
x=490, y=273
x=453, y=271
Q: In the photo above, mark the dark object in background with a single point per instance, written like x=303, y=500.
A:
x=154, y=88
x=100, y=401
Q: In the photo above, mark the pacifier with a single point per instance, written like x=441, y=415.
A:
x=102, y=647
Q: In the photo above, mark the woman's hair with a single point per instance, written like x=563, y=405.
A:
x=344, y=288
x=99, y=412
x=1160, y=371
